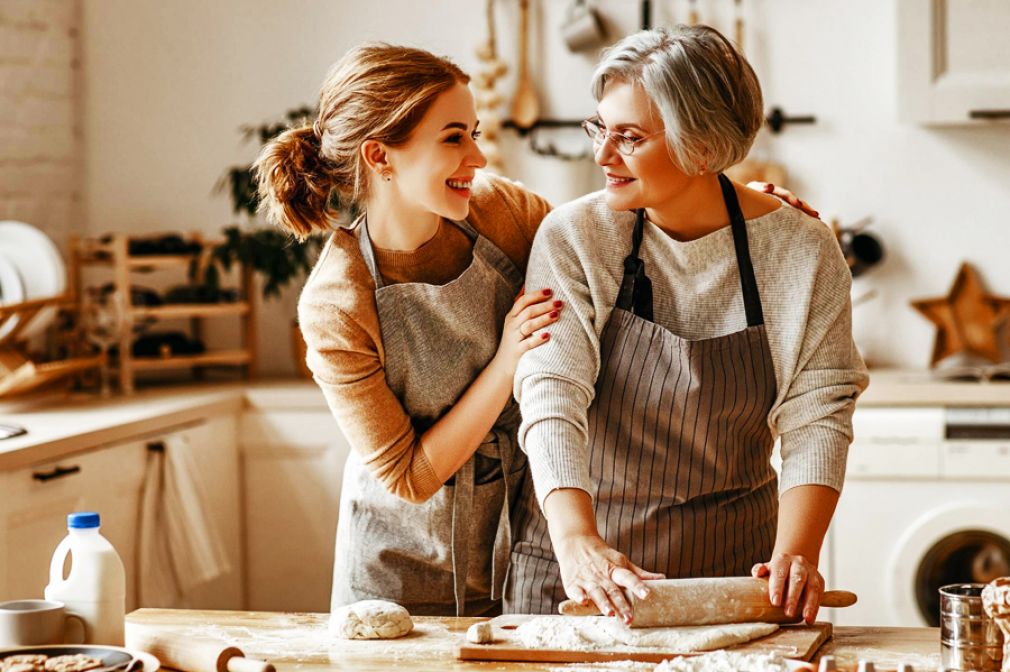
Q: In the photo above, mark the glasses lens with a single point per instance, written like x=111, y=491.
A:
x=594, y=132
x=624, y=145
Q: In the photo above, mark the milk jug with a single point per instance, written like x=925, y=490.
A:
x=95, y=588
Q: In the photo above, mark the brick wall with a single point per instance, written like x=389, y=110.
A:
x=41, y=146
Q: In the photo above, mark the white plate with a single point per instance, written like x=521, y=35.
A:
x=12, y=290
x=151, y=664
x=40, y=265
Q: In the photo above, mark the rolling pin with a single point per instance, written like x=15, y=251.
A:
x=737, y=599
x=189, y=655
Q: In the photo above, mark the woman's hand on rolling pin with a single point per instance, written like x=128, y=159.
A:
x=793, y=583
x=522, y=332
x=783, y=195
x=592, y=570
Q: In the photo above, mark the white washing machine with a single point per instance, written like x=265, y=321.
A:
x=926, y=503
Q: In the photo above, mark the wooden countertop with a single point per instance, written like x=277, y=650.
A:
x=302, y=642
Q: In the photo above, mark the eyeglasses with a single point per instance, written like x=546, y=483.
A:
x=625, y=145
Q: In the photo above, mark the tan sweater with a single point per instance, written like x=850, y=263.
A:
x=339, y=320
x=804, y=287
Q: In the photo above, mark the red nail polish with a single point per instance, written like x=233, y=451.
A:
x=554, y=313
x=544, y=336
x=547, y=292
x=558, y=304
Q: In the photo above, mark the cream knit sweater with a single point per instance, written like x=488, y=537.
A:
x=804, y=286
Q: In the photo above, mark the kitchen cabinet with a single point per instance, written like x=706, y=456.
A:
x=953, y=61
x=216, y=439
x=293, y=461
x=38, y=498
x=109, y=479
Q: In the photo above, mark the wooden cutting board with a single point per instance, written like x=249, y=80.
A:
x=799, y=642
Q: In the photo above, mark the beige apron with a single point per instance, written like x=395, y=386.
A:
x=449, y=555
x=679, y=445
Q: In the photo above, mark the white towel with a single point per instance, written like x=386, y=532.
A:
x=179, y=547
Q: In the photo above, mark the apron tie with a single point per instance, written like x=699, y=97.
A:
x=500, y=559
x=462, y=513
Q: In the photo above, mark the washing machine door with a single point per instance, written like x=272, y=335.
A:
x=966, y=542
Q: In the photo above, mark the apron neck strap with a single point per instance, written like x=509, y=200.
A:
x=635, y=294
x=367, y=253
x=748, y=283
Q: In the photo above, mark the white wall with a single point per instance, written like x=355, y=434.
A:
x=169, y=83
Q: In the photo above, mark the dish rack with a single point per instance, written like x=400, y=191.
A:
x=113, y=252
x=18, y=373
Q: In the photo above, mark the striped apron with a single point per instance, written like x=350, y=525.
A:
x=679, y=446
x=449, y=555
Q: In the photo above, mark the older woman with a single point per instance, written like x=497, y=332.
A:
x=702, y=321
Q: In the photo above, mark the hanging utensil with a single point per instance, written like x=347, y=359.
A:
x=525, y=106
x=487, y=99
x=582, y=29
x=738, y=23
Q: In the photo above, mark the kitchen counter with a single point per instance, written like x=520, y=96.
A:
x=60, y=424
x=898, y=387
x=299, y=641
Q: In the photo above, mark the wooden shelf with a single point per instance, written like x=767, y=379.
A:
x=219, y=357
x=187, y=310
x=145, y=262
x=114, y=253
x=160, y=261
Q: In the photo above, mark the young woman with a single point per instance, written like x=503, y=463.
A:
x=702, y=321
x=413, y=326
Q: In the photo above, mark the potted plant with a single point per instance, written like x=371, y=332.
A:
x=277, y=256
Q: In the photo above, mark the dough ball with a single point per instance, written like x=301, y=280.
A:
x=371, y=619
x=480, y=633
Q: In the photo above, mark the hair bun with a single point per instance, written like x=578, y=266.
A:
x=294, y=181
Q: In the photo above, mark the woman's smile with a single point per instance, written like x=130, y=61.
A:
x=460, y=186
x=618, y=181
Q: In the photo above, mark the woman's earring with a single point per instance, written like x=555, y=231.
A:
x=387, y=174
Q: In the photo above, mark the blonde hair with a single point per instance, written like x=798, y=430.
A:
x=707, y=93
x=375, y=92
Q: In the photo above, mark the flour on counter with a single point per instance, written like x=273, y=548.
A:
x=725, y=661
x=588, y=633
x=609, y=666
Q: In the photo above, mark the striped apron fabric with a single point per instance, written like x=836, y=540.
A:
x=679, y=445
x=449, y=555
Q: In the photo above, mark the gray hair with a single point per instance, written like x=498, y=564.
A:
x=707, y=93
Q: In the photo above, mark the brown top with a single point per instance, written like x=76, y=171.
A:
x=340, y=323
x=438, y=261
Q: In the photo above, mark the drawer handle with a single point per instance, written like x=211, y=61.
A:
x=57, y=472
x=989, y=114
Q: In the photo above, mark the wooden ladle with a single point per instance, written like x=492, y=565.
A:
x=525, y=106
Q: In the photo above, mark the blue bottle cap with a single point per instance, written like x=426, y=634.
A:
x=83, y=520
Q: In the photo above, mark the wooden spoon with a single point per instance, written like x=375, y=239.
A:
x=525, y=107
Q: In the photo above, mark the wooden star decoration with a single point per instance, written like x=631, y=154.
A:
x=967, y=319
